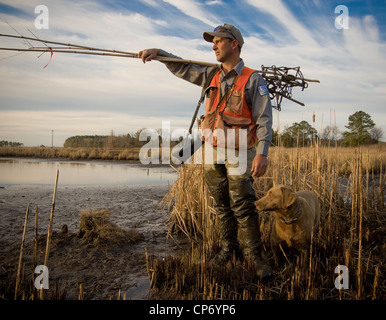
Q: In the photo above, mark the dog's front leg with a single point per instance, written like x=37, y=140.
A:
x=277, y=252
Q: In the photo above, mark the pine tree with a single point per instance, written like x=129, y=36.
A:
x=359, y=125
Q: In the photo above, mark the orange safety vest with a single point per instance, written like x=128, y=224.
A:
x=230, y=115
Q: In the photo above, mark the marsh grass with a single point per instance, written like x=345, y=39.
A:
x=72, y=153
x=350, y=187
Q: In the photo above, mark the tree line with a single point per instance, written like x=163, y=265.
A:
x=110, y=141
x=361, y=131
x=4, y=143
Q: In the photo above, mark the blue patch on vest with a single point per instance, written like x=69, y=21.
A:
x=263, y=89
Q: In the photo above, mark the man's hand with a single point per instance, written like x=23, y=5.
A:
x=259, y=165
x=148, y=54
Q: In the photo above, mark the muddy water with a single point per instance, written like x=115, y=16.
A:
x=21, y=171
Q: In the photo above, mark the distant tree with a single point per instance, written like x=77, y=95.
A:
x=302, y=132
x=376, y=134
x=359, y=125
x=110, y=141
x=85, y=142
x=288, y=139
x=330, y=135
x=275, y=136
x=4, y=143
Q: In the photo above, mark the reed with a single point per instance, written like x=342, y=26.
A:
x=21, y=253
x=191, y=207
x=36, y=246
x=350, y=186
x=81, y=295
x=49, y=232
x=71, y=153
x=25, y=286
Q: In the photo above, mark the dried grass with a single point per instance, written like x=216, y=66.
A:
x=96, y=229
x=72, y=153
x=190, y=205
x=350, y=187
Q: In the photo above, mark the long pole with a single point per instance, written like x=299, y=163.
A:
x=115, y=53
x=135, y=55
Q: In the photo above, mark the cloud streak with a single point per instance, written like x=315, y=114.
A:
x=194, y=9
x=282, y=15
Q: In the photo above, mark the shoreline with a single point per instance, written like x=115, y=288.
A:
x=375, y=159
x=94, y=161
x=41, y=171
x=78, y=153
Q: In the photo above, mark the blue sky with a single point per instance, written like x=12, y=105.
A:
x=94, y=95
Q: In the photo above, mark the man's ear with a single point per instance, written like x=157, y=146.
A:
x=235, y=44
x=289, y=197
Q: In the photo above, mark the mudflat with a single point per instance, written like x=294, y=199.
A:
x=103, y=272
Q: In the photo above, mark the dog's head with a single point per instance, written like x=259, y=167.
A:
x=277, y=198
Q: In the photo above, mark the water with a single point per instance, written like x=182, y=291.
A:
x=21, y=171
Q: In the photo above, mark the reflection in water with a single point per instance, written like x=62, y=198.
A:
x=38, y=171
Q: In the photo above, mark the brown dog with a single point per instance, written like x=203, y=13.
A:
x=297, y=216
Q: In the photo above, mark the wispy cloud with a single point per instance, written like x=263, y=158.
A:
x=194, y=9
x=283, y=16
x=213, y=2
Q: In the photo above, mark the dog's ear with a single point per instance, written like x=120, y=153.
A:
x=289, y=197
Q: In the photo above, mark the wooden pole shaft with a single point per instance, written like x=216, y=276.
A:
x=115, y=53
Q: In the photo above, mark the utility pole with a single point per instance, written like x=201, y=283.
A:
x=52, y=138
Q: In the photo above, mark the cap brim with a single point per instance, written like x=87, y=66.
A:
x=208, y=36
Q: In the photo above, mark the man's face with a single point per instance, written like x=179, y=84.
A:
x=222, y=48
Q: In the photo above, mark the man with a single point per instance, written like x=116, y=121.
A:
x=237, y=96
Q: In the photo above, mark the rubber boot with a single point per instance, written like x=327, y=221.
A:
x=217, y=182
x=249, y=236
x=242, y=198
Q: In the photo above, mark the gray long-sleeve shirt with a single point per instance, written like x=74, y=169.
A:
x=257, y=100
